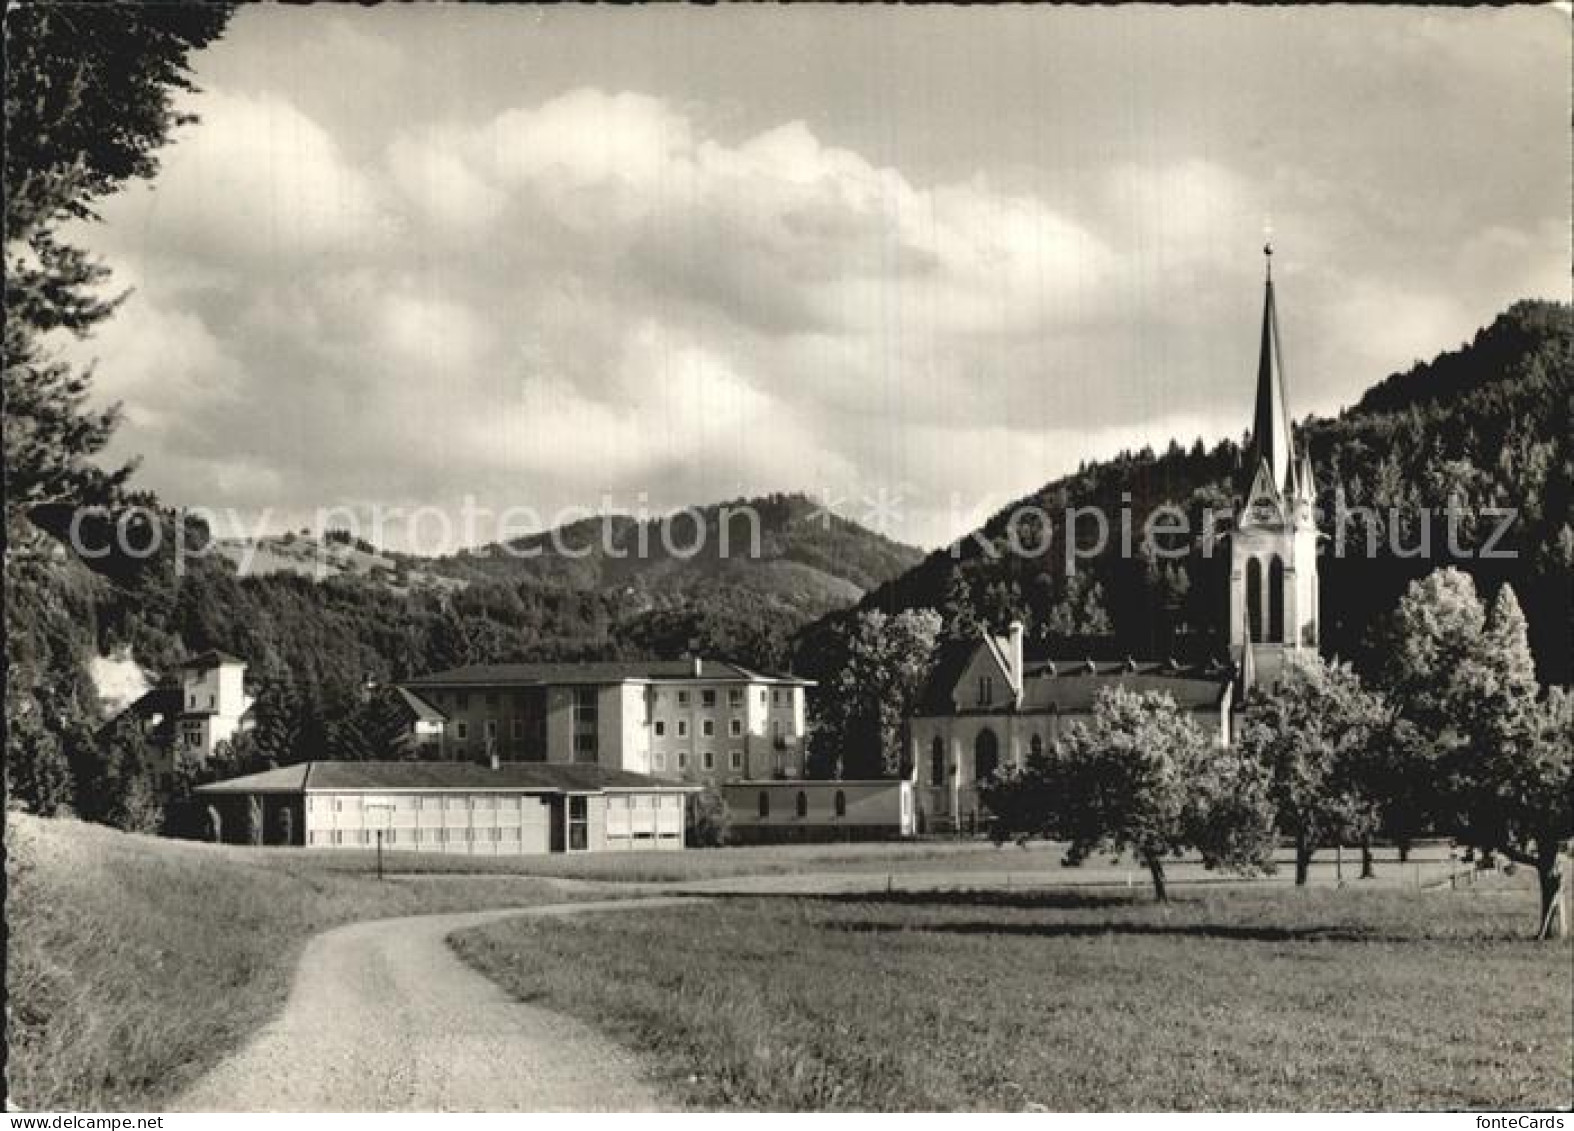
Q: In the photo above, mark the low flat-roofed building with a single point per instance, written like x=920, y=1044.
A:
x=504, y=809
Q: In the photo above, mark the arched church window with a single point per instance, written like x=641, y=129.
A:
x=841, y=804
x=937, y=761
x=986, y=754
x=765, y=804
x=803, y=804
x=1254, y=598
x=1035, y=746
x=1276, y=600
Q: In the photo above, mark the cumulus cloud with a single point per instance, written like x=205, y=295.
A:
x=599, y=291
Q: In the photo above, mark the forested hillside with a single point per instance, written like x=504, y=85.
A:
x=1486, y=425
x=313, y=645
x=781, y=544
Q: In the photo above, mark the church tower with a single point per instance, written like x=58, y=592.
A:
x=1273, y=552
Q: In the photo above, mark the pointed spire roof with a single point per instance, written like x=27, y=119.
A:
x=1271, y=440
x=1308, y=483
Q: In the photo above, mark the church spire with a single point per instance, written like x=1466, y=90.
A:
x=1271, y=442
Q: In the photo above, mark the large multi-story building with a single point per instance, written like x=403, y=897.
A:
x=682, y=720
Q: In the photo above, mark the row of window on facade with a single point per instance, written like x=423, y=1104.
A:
x=585, y=728
x=707, y=728
x=483, y=802
x=801, y=804
x=658, y=760
x=578, y=835
x=586, y=697
x=986, y=755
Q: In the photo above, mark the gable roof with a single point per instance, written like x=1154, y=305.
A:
x=596, y=672
x=525, y=777
x=1072, y=685
x=165, y=703
x=1000, y=648
x=419, y=708
x=285, y=779
x=950, y=661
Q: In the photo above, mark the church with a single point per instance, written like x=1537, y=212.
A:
x=987, y=704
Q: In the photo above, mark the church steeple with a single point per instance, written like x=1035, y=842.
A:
x=1272, y=445
x=1273, y=552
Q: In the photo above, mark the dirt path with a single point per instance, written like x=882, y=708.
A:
x=383, y=1016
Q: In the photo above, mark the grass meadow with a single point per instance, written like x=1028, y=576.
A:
x=702, y=864
x=134, y=964
x=1375, y=998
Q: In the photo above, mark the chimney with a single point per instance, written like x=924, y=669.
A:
x=699, y=666
x=1016, y=655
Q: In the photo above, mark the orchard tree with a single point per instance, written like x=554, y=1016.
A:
x=1317, y=736
x=1142, y=777
x=1499, y=754
x=861, y=713
x=709, y=820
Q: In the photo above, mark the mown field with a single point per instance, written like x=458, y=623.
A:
x=699, y=864
x=1036, y=860
x=1246, y=998
x=134, y=964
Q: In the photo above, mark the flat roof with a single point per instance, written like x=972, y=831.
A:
x=514, y=777
x=597, y=672
x=799, y=783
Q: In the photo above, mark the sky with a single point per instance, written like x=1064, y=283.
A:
x=912, y=263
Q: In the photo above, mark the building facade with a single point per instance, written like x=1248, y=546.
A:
x=692, y=720
x=187, y=717
x=787, y=812
x=502, y=809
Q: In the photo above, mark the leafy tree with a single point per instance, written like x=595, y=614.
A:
x=1316, y=734
x=38, y=776
x=276, y=732
x=114, y=783
x=138, y=807
x=709, y=819
x=958, y=613
x=88, y=104
x=373, y=729
x=861, y=718
x=1501, y=760
x=1141, y=777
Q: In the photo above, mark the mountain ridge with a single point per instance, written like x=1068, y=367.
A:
x=1487, y=424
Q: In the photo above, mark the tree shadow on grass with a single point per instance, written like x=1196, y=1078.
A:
x=1110, y=927
x=1101, y=904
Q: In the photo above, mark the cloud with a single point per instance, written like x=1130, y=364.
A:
x=599, y=291
x=255, y=182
